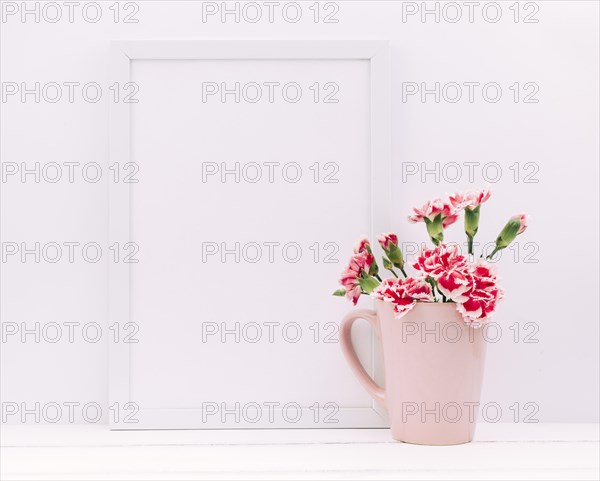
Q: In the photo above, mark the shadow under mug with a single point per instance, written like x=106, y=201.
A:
x=433, y=370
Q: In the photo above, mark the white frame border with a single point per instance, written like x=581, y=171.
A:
x=122, y=54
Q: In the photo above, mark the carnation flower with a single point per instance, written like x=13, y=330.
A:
x=437, y=215
x=471, y=286
x=403, y=294
x=478, y=303
x=470, y=200
x=447, y=267
x=357, y=277
x=363, y=244
x=393, y=254
x=386, y=239
x=418, y=289
x=358, y=266
x=432, y=209
x=514, y=227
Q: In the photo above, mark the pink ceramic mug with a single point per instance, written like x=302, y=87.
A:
x=433, y=366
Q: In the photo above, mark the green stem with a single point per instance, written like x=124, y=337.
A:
x=393, y=272
x=431, y=282
x=493, y=253
x=470, y=241
x=377, y=277
x=403, y=271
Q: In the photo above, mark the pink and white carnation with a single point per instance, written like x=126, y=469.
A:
x=470, y=199
x=478, y=302
x=363, y=244
x=359, y=263
x=386, y=239
x=471, y=285
x=418, y=289
x=447, y=267
x=431, y=209
x=403, y=294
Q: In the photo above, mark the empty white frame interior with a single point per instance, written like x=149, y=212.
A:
x=256, y=165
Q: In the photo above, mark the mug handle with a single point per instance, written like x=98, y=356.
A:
x=376, y=391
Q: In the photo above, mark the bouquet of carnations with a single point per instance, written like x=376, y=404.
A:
x=443, y=273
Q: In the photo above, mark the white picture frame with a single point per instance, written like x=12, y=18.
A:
x=123, y=53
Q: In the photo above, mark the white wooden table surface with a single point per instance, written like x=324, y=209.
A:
x=501, y=451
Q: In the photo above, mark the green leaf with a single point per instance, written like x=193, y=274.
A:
x=340, y=293
x=368, y=284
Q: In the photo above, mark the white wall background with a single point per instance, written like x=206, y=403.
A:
x=558, y=135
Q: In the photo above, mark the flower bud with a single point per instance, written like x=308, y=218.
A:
x=515, y=226
x=395, y=256
x=389, y=244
